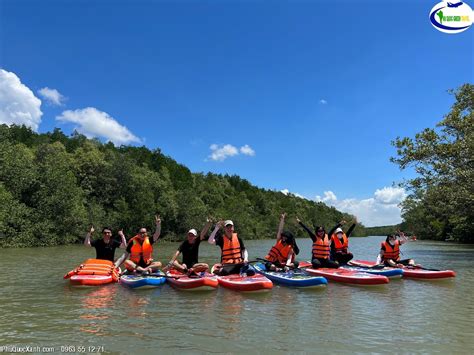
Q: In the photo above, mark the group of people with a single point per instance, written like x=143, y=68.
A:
x=329, y=250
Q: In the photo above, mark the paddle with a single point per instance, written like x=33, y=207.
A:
x=414, y=267
x=289, y=267
x=362, y=266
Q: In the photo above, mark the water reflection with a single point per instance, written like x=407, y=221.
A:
x=96, y=310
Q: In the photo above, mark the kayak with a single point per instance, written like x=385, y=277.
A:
x=93, y=272
x=202, y=282
x=143, y=281
x=236, y=282
x=390, y=272
x=347, y=276
x=416, y=272
x=296, y=278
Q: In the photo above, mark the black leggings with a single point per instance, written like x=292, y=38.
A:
x=277, y=264
x=343, y=258
x=229, y=269
x=403, y=262
x=317, y=263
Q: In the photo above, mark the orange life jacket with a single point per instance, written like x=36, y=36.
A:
x=338, y=246
x=279, y=253
x=231, y=251
x=391, y=253
x=321, y=248
x=95, y=267
x=140, y=249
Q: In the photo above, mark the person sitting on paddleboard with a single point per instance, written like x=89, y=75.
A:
x=105, y=247
x=390, y=251
x=321, y=247
x=282, y=254
x=140, y=250
x=340, y=244
x=234, y=256
x=190, y=250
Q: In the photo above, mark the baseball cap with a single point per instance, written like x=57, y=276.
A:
x=226, y=223
x=193, y=231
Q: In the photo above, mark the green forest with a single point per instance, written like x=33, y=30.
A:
x=440, y=204
x=54, y=187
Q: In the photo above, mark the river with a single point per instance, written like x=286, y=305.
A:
x=39, y=309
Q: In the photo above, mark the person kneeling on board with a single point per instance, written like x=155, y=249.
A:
x=139, y=251
x=190, y=250
x=234, y=256
x=282, y=254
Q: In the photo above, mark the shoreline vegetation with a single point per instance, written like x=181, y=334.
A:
x=53, y=187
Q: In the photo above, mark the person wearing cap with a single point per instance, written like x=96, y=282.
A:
x=105, y=247
x=234, y=256
x=321, y=249
x=282, y=254
x=139, y=251
x=340, y=243
x=190, y=250
x=390, y=251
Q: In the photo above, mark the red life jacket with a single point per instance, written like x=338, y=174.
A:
x=391, y=253
x=141, y=248
x=279, y=252
x=231, y=250
x=340, y=247
x=321, y=249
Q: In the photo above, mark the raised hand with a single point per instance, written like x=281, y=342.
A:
x=283, y=215
x=92, y=230
x=298, y=220
x=120, y=233
x=157, y=219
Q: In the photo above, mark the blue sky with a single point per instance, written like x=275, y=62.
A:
x=316, y=89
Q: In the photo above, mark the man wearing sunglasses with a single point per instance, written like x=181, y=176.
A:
x=105, y=247
x=140, y=251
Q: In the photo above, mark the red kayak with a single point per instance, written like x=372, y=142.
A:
x=201, y=282
x=93, y=272
x=255, y=283
x=415, y=272
x=346, y=276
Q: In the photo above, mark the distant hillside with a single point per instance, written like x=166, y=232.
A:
x=53, y=187
x=382, y=230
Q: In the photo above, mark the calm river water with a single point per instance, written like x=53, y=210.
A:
x=38, y=308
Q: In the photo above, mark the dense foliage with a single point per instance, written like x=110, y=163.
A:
x=382, y=230
x=53, y=187
x=441, y=201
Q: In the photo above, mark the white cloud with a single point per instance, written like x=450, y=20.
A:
x=286, y=192
x=52, y=96
x=18, y=104
x=329, y=196
x=94, y=123
x=323, y=102
x=382, y=209
x=247, y=150
x=390, y=195
x=222, y=152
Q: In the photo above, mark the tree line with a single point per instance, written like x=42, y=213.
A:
x=53, y=187
x=441, y=201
